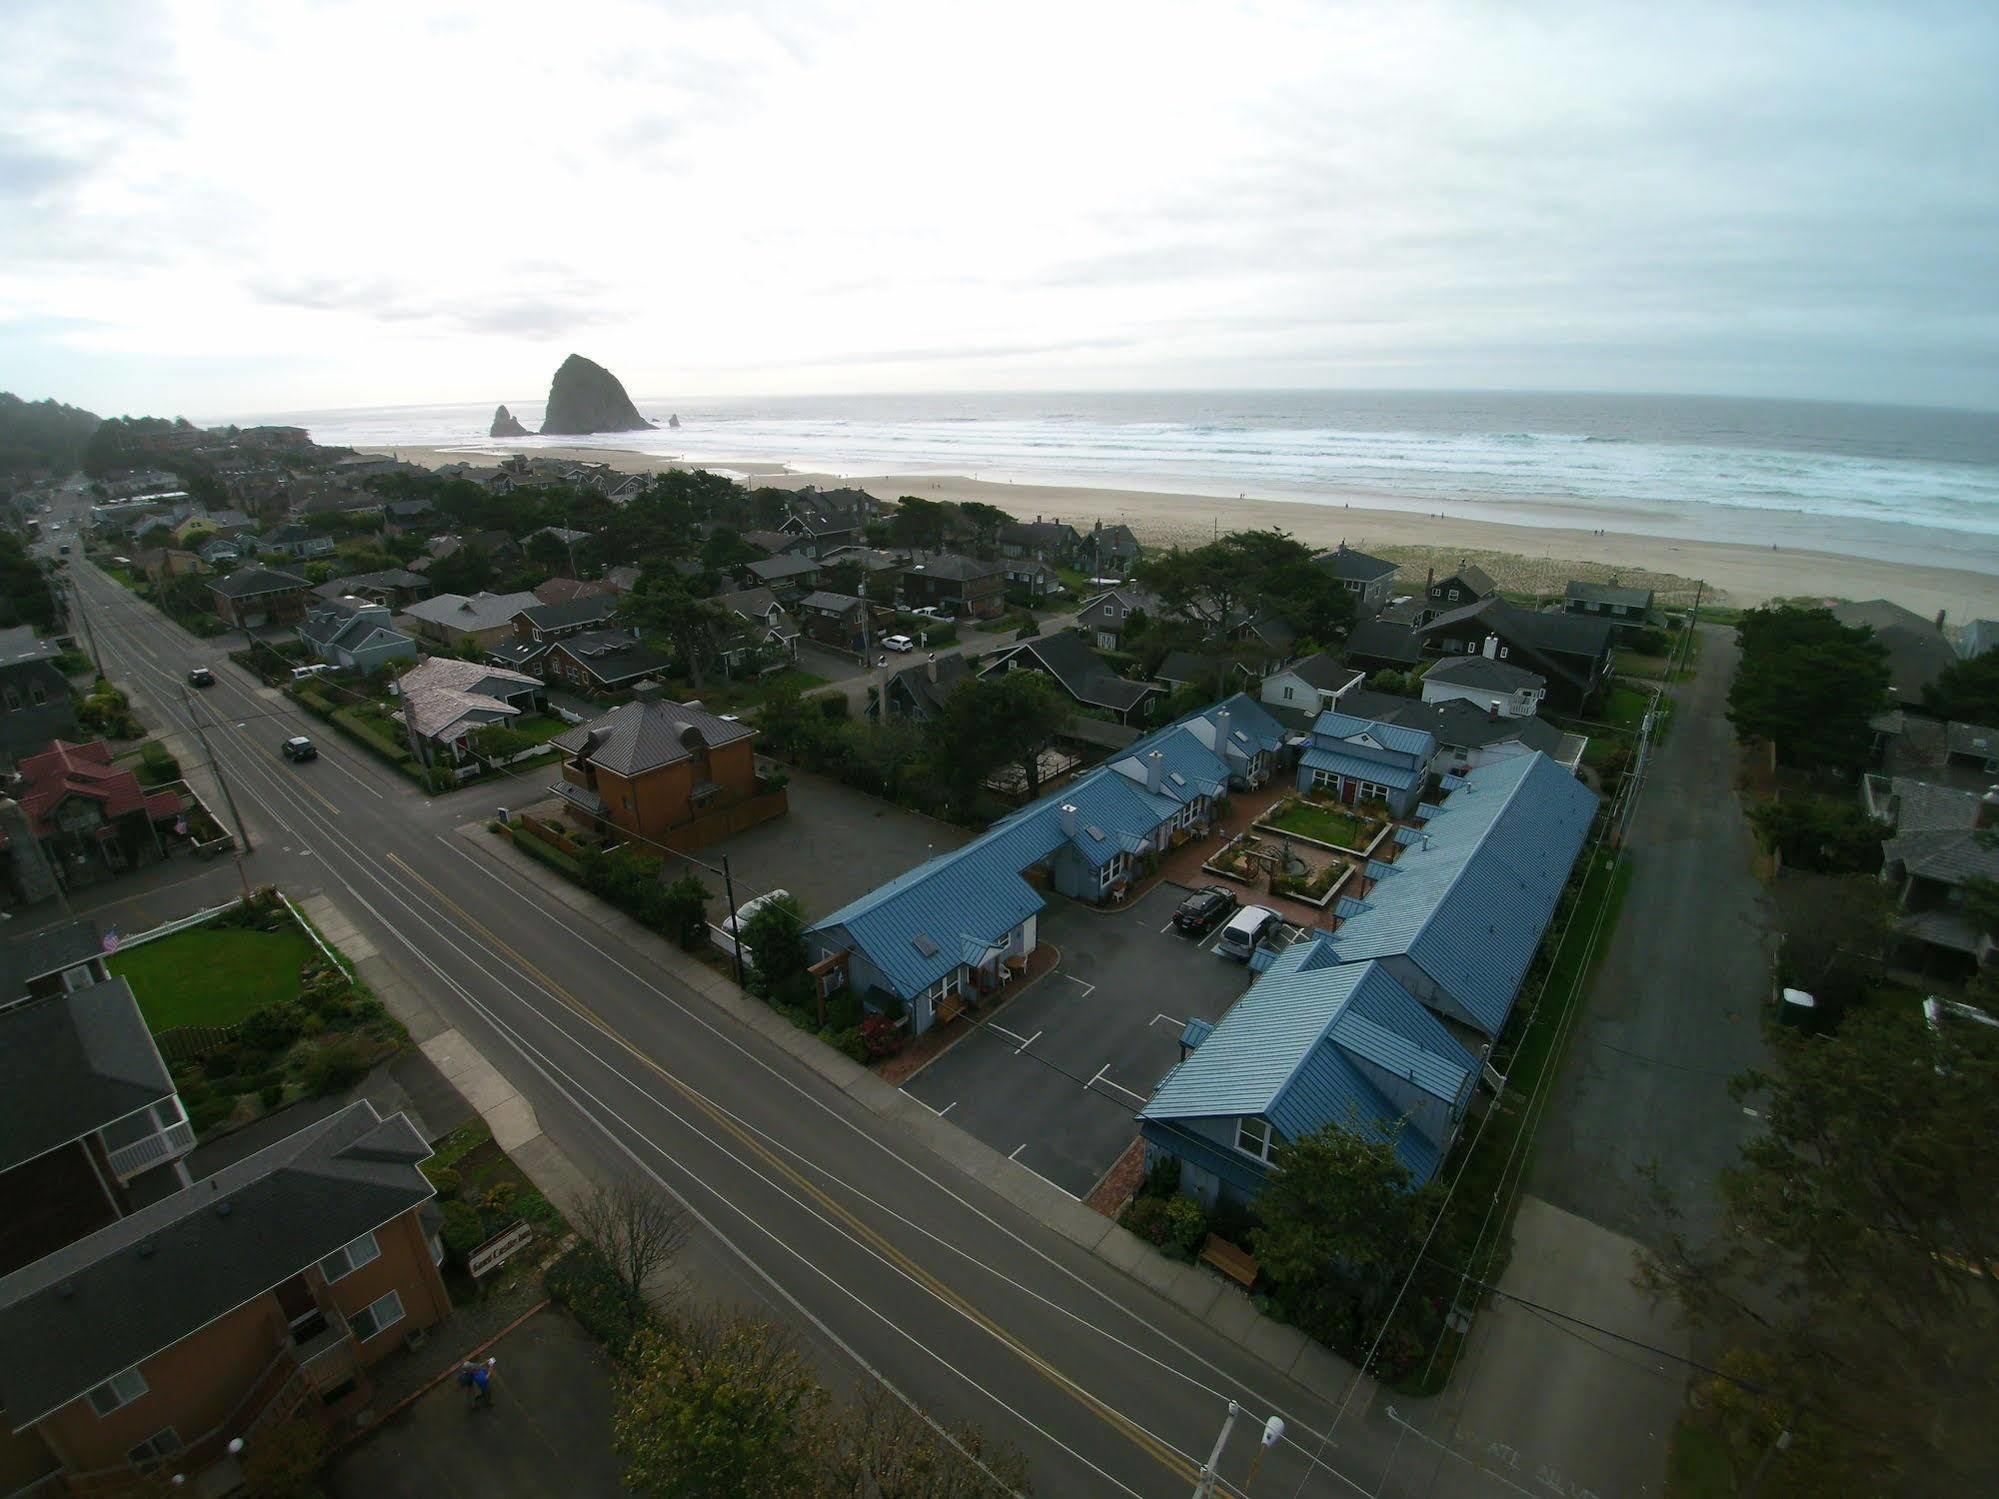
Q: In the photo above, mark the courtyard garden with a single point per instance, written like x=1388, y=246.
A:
x=1327, y=822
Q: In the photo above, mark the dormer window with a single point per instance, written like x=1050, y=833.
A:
x=1254, y=1137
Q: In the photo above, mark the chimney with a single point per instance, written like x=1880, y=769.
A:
x=1068, y=819
x=1988, y=808
x=930, y=667
x=1429, y=580
x=1492, y=647
x=1940, y=614
x=1155, y=772
x=1221, y=729
x=1492, y=711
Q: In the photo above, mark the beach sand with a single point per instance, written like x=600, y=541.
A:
x=1528, y=557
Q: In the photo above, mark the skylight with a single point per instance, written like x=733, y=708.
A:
x=922, y=943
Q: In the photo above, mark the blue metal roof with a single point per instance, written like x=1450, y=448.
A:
x=1469, y=900
x=1334, y=724
x=1291, y=1048
x=1382, y=772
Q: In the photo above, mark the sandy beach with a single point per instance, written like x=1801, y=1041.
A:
x=1530, y=557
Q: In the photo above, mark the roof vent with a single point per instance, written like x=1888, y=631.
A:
x=66, y=1290
x=922, y=943
x=223, y=1209
x=146, y=1247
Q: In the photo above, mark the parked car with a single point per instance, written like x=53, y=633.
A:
x=1204, y=908
x=1247, y=930
x=201, y=676
x=317, y=669
x=298, y=747
x=726, y=932
x=898, y=643
x=931, y=611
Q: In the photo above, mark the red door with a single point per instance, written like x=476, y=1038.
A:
x=1348, y=786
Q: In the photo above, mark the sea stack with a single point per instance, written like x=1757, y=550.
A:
x=505, y=424
x=585, y=397
x=674, y=420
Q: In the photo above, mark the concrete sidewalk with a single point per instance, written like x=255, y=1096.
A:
x=1224, y=1307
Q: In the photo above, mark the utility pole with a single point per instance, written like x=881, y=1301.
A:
x=83, y=618
x=735, y=928
x=1693, y=619
x=228, y=796
x=1204, y=1481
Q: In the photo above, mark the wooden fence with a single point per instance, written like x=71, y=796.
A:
x=190, y=1043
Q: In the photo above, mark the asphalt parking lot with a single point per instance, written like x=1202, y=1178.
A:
x=1054, y=1079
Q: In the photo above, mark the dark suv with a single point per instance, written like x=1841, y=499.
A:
x=1204, y=908
x=201, y=676
x=299, y=748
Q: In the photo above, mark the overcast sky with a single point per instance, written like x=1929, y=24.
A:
x=227, y=209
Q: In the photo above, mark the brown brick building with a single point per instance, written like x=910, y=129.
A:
x=652, y=767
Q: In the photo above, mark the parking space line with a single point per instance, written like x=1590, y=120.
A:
x=1014, y=1154
x=1088, y=989
x=1168, y=1019
x=940, y=1113
x=1108, y=1083
x=1013, y=1036
x=1045, y=1182
x=1027, y=1043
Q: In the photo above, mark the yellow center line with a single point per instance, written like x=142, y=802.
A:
x=1144, y=1440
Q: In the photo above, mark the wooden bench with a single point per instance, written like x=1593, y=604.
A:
x=1237, y=1264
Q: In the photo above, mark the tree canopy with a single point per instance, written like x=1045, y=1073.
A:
x=1247, y=573
x=25, y=595
x=1810, y=685
x=1967, y=691
x=42, y=435
x=1003, y=720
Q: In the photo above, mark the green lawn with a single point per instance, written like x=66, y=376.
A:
x=211, y=975
x=540, y=727
x=1327, y=824
x=1623, y=708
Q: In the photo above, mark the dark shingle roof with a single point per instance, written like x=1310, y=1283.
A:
x=581, y=611
x=52, y=949
x=1320, y=670
x=1483, y=671
x=612, y=655
x=643, y=736
x=1067, y=657
x=72, y=1064
x=1380, y=641
x=777, y=569
x=952, y=566
x=249, y=581
x=117, y=1297
x=1608, y=594
x=1349, y=566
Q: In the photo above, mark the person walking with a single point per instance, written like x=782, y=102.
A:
x=479, y=1378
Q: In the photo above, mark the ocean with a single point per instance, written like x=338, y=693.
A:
x=1905, y=484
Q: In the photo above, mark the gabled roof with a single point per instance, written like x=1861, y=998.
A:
x=828, y=603
x=1607, y=594
x=1484, y=672
x=1335, y=725
x=471, y=613
x=64, y=770
x=1084, y=674
x=1474, y=577
x=750, y=603
x=953, y=566
x=33, y=955
x=1349, y=566
x=642, y=736
x=1116, y=605
x=1459, y=721
x=20, y=644
x=1980, y=636
x=1379, y=640
x=562, y=590
x=440, y=692
x=1039, y=533
x=1917, y=650
x=246, y=582
x=71, y=1064
x=388, y=578
x=1320, y=670
x=1472, y=894
x=916, y=681
x=588, y=609
x=1357, y=767
x=611, y=656
x=777, y=569
x=1298, y=1047
x=138, y=1286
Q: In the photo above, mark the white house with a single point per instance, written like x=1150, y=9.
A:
x=1487, y=683
x=1313, y=685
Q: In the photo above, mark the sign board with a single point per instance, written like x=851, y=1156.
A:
x=497, y=1250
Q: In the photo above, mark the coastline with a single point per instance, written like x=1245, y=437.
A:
x=1518, y=555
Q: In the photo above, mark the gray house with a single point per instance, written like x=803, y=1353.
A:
x=354, y=633
x=34, y=695
x=1370, y=580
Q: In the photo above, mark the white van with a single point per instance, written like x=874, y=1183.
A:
x=318, y=668
x=1248, y=929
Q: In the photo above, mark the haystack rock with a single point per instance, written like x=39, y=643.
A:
x=505, y=424
x=674, y=420
x=585, y=397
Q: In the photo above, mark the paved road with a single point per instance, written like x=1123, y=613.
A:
x=838, y=1220
x=1674, y=1011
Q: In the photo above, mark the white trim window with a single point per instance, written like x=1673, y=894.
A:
x=377, y=1316
x=1254, y=1136
x=348, y=1258
x=117, y=1392
x=163, y=1443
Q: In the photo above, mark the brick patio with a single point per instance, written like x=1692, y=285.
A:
x=1183, y=864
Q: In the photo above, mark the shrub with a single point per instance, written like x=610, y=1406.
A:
x=273, y=1028
x=498, y=1199
x=833, y=706
x=284, y=1462
x=843, y=1011
x=581, y=1282
x=882, y=1036
x=463, y=1230
x=444, y=1178
x=1146, y=1217
x=338, y=1066
x=852, y=1042
x=1163, y=1180
x=1186, y=1226
x=271, y=1094
x=684, y=912
x=222, y=1061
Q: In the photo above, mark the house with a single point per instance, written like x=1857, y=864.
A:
x=1369, y=579
x=1978, y=637
x=1105, y=618
x=836, y=619
x=756, y=629
x=91, y=819
x=456, y=620
x=1459, y=914
x=870, y=560
x=651, y=767
x=35, y=705
x=1469, y=736
x=1971, y=747
x=254, y=596
x=562, y=535
x=1315, y=1041
x=1214, y=675
x=265, y=1291
x=1033, y=577
x=1918, y=653
x=1110, y=551
x=1571, y=650
x=1626, y=608
x=296, y=542
x=957, y=928
x=1049, y=540
x=92, y=1125
x=217, y=550
x=1943, y=841
x=1378, y=645
x=1311, y=686
x=230, y=521
x=962, y=587
x=827, y=519
x=51, y=961
x=1364, y=760
x=404, y=517
x=498, y=547
x=446, y=701
x=1080, y=672
x=1466, y=583
x=918, y=692
x=782, y=544
x=562, y=590
x=788, y=576
x=602, y=661
x=1486, y=682
x=621, y=579
x=356, y=634
x=545, y=623
x=397, y=587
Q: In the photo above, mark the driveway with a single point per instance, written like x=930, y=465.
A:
x=1054, y=1078
x=548, y=1431
x=834, y=844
